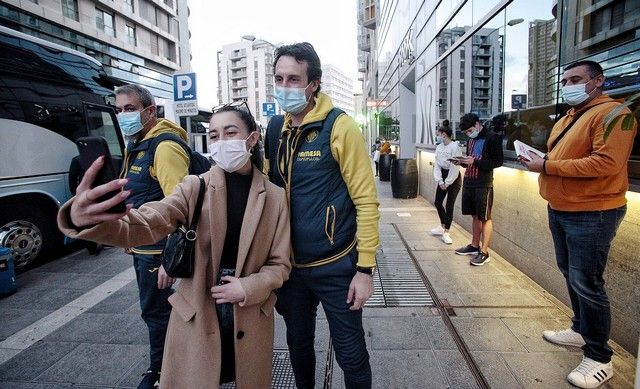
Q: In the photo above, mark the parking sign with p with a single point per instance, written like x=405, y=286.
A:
x=184, y=87
x=184, y=94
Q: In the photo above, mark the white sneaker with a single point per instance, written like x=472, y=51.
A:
x=437, y=231
x=566, y=337
x=590, y=373
x=446, y=238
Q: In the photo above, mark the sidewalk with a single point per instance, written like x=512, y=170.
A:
x=497, y=310
x=75, y=322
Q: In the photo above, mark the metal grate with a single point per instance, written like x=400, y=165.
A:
x=397, y=283
x=281, y=369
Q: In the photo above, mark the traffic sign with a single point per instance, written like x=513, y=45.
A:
x=518, y=101
x=268, y=109
x=184, y=94
x=184, y=87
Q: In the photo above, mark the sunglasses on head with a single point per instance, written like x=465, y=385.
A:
x=240, y=104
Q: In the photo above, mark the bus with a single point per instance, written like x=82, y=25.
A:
x=50, y=96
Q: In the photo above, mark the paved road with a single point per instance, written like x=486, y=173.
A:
x=74, y=322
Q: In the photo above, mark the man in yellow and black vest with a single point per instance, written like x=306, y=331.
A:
x=318, y=154
x=153, y=169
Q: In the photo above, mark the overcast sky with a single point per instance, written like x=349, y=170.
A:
x=330, y=26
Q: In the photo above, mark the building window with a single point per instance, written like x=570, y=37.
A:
x=104, y=22
x=70, y=9
x=129, y=4
x=154, y=45
x=162, y=20
x=169, y=3
x=131, y=35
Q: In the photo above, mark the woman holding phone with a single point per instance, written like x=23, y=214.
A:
x=447, y=176
x=221, y=325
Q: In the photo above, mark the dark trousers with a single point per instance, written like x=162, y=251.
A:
x=298, y=301
x=227, y=338
x=154, y=304
x=377, y=168
x=582, y=241
x=451, y=193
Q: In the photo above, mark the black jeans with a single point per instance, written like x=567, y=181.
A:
x=298, y=301
x=451, y=193
x=226, y=324
x=154, y=305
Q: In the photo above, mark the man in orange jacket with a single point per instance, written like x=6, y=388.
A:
x=584, y=178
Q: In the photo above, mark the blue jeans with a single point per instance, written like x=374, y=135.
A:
x=582, y=241
x=298, y=301
x=154, y=304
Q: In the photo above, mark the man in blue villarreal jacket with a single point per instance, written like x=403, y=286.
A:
x=319, y=156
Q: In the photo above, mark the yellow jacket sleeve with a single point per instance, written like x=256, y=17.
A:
x=350, y=151
x=170, y=165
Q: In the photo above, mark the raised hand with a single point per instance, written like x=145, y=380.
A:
x=85, y=210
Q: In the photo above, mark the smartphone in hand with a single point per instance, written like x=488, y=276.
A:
x=90, y=148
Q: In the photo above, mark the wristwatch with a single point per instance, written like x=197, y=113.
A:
x=365, y=270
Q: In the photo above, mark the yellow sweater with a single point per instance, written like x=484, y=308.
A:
x=583, y=172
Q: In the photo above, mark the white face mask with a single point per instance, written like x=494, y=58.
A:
x=575, y=94
x=231, y=154
x=474, y=134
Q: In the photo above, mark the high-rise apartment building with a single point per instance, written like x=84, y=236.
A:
x=542, y=52
x=339, y=87
x=472, y=76
x=137, y=41
x=245, y=72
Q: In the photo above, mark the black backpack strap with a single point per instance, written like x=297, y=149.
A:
x=575, y=119
x=274, y=129
x=155, y=141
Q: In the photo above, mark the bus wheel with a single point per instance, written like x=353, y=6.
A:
x=26, y=232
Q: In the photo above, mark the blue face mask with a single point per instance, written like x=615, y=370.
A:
x=438, y=139
x=291, y=100
x=130, y=123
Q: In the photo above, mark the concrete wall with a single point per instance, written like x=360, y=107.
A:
x=521, y=235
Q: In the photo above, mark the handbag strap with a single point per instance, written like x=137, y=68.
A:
x=196, y=211
x=575, y=119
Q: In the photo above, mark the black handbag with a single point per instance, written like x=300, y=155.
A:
x=179, y=250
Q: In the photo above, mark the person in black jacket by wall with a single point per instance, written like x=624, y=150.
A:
x=484, y=153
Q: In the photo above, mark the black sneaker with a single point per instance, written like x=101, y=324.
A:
x=480, y=259
x=150, y=380
x=468, y=250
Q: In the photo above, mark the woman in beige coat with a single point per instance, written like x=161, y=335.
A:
x=260, y=237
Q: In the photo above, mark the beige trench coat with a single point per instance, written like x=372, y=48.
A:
x=192, y=346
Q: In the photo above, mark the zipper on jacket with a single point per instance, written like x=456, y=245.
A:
x=330, y=228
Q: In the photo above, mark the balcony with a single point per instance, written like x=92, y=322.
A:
x=238, y=54
x=364, y=42
x=242, y=94
x=236, y=75
x=367, y=14
x=238, y=64
x=239, y=85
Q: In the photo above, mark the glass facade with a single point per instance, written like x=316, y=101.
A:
x=128, y=67
x=500, y=60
